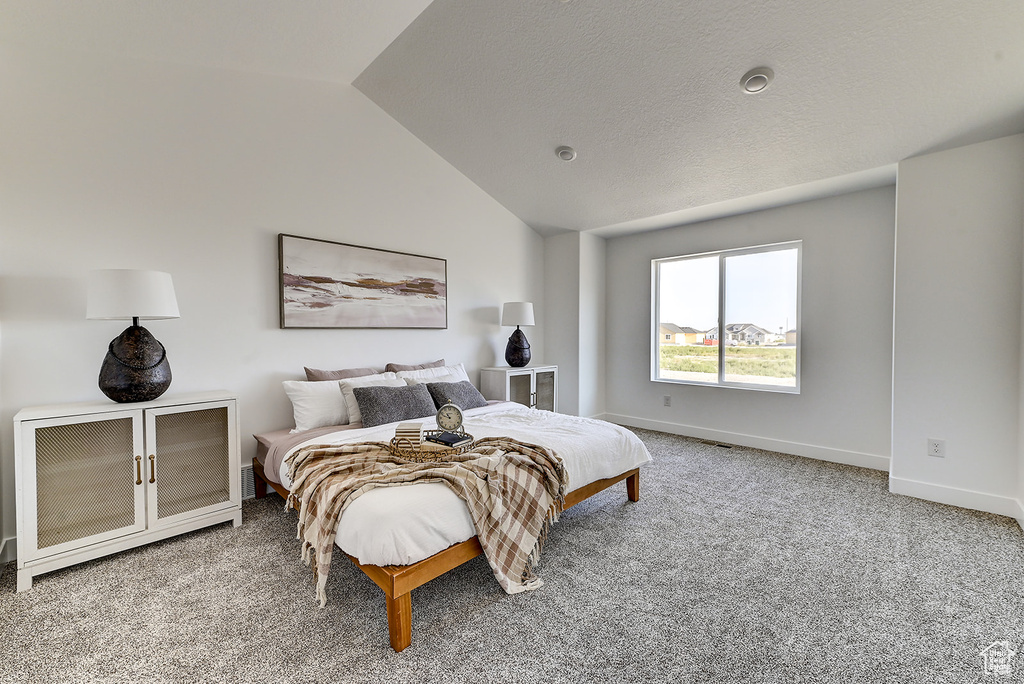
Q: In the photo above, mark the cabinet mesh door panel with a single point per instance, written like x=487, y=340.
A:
x=191, y=461
x=519, y=389
x=84, y=479
x=546, y=390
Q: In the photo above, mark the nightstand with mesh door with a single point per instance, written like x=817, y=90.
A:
x=535, y=386
x=97, y=478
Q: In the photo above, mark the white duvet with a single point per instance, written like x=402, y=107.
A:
x=403, y=525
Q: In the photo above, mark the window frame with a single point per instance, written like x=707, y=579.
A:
x=722, y=255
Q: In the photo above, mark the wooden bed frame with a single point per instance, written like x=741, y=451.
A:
x=398, y=581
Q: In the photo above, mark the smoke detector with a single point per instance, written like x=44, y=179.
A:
x=566, y=153
x=756, y=80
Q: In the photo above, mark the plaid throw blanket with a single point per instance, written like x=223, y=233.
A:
x=513, y=491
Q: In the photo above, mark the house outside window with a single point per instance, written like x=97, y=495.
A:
x=751, y=295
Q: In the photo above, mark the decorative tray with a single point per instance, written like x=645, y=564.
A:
x=426, y=452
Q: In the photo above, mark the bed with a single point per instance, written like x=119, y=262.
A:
x=403, y=537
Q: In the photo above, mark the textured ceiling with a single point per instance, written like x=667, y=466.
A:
x=648, y=94
x=646, y=91
x=331, y=40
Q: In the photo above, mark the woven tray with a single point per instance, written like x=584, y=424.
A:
x=404, y=449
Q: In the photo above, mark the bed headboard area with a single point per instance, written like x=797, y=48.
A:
x=368, y=396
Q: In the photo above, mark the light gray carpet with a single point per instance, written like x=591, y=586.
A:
x=737, y=565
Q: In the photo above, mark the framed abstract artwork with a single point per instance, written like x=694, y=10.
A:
x=328, y=284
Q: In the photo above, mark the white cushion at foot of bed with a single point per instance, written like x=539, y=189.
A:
x=404, y=524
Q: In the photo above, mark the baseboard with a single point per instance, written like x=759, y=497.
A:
x=854, y=458
x=954, y=496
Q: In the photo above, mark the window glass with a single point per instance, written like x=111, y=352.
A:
x=689, y=302
x=760, y=306
x=752, y=295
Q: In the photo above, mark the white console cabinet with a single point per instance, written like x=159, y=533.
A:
x=533, y=386
x=93, y=479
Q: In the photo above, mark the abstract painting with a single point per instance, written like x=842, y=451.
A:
x=334, y=285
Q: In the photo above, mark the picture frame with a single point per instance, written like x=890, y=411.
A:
x=326, y=284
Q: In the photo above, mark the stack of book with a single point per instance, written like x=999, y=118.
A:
x=409, y=435
x=450, y=439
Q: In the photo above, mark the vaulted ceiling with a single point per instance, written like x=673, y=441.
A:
x=330, y=40
x=647, y=93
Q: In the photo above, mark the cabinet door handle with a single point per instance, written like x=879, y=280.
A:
x=152, y=469
x=138, y=470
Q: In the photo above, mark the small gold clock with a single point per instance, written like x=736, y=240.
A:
x=449, y=417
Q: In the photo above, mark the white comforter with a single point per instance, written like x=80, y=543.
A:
x=403, y=525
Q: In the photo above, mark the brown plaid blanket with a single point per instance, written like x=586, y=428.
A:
x=513, y=491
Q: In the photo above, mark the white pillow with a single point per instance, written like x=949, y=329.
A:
x=349, y=397
x=453, y=373
x=316, y=404
x=452, y=377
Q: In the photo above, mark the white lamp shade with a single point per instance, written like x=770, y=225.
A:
x=517, y=313
x=123, y=294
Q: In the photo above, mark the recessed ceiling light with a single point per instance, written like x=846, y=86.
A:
x=566, y=153
x=756, y=80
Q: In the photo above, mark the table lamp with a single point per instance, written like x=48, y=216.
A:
x=517, y=352
x=135, y=367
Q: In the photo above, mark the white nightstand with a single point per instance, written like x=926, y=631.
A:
x=93, y=479
x=533, y=386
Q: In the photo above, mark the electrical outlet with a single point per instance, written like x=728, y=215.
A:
x=668, y=400
x=937, y=448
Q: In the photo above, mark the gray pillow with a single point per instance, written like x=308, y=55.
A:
x=396, y=367
x=317, y=375
x=462, y=394
x=380, y=404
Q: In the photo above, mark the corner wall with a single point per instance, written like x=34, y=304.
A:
x=957, y=343
x=592, y=326
x=112, y=163
x=574, y=320
x=6, y=554
x=843, y=411
x=561, y=314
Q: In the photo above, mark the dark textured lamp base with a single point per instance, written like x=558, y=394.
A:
x=135, y=367
x=517, y=352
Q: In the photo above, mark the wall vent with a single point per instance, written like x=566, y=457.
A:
x=248, y=484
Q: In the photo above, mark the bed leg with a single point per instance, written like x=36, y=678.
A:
x=400, y=620
x=633, y=486
x=259, y=485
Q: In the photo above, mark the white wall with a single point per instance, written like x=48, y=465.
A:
x=575, y=319
x=592, y=324
x=957, y=344
x=843, y=410
x=561, y=314
x=1020, y=420
x=6, y=554
x=110, y=163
